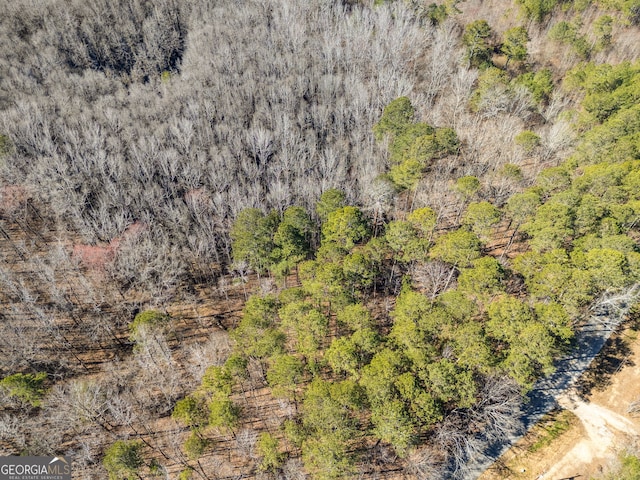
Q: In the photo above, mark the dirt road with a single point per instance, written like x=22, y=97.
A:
x=605, y=430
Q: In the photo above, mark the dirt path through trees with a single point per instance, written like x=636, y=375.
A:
x=605, y=429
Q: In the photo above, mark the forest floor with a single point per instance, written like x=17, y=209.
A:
x=581, y=440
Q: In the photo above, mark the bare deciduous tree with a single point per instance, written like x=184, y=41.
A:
x=434, y=276
x=213, y=352
x=424, y=464
x=246, y=442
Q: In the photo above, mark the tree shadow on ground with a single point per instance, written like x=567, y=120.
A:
x=606, y=364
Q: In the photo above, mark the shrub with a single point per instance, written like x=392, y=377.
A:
x=567, y=33
x=195, y=446
x=467, y=187
x=514, y=44
x=268, y=449
x=477, y=38
x=395, y=118
x=537, y=9
x=186, y=474
x=148, y=318
x=603, y=28
x=123, y=459
x=437, y=13
x=191, y=410
x=527, y=140
x=539, y=84
x=27, y=388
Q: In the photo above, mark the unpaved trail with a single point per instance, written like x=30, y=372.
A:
x=605, y=429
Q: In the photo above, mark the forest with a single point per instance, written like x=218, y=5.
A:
x=319, y=239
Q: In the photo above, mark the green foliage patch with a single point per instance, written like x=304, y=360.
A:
x=537, y=10
x=146, y=319
x=569, y=33
x=477, y=38
x=514, y=44
x=552, y=429
x=628, y=468
x=413, y=145
x=123, y=460
x=28, y=388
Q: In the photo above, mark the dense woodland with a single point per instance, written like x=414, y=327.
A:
x=319, y=239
